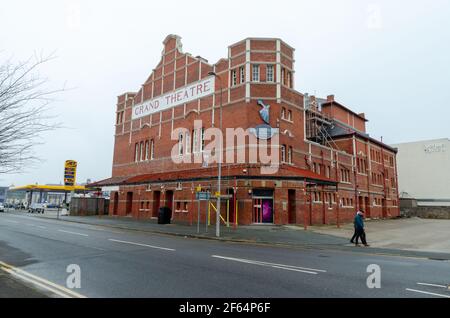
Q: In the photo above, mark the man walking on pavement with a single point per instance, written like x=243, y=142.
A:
x=352, y=240
x=359, y=228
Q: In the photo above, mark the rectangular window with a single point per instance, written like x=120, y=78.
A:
x=202, y=141
x=146, y=150
x=233, y=78
x=188, y=142
x=195, y=141
x=289, y=117
x=283, y=113
x=141, y=157
x=136, y=152
x=283, y=153
x=242, y=74
x=345, y=175
x=255, y=73
x=289, y=79
x=282, y=76
x=327, y=173
x=152, y=149
x=180, y=144
x=290, y=155
x=269, y=73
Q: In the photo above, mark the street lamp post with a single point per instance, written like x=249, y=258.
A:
x=219, y=165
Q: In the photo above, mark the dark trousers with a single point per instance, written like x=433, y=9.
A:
x=352, y=240
x=360, y=233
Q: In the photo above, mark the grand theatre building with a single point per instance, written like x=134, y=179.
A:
x=325, y=164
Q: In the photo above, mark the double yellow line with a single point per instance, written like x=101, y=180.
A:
x=56, y=289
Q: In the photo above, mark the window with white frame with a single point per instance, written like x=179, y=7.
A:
x=152, y=149
x=188, y=142
x=141, y=157
x=283, y=113
x=289, y=115
x=242, y=74
x=146, y=150
x=180, y=144
x=195, y=141
x=269, y=75
x=255, y=73
x=290, y=155
x=283, y=153
x=136, y=152
x=202, y=140
x=233, y=78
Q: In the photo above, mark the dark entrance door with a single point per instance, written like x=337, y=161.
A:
x=263, y=206
x=156, y=203
x=361, y=204
x=367, y=207
x=116, y=203
x=291, y=207
x=384, y=208
x=231, y=206
x=129, y=204
x=169, y=199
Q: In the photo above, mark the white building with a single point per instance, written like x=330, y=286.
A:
x=424, y=171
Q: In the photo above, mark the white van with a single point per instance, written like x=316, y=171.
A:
x=36, y=207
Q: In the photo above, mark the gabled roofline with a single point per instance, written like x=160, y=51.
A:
x=330, y=103
x=262, y=39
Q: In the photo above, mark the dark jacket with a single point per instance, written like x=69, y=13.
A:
x=359, y=222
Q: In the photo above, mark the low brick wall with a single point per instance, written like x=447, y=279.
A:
x=427, y=212
x=89, y=206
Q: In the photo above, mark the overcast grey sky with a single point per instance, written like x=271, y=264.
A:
x=388, y=59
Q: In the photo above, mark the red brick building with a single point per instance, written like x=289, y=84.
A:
x=329, y=165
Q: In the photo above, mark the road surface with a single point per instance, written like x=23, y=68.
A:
x=120, y=263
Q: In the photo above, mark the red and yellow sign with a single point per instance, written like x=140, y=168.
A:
x=70, y=172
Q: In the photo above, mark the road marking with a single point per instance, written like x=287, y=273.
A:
x=140, y=244
x=306, y=270
x=41, y=227
x=428, y=293
x=432, y=285
x=41, y=282
x=74, y=233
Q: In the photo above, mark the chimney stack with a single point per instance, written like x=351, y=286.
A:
x=330, y=98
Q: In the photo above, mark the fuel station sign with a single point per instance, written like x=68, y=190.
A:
x=70, y=172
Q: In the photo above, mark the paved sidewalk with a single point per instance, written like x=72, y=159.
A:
x=12, y=288
x=415, y=234
x=291, y=236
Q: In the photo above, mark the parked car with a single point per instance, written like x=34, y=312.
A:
x=2, y=208
x=37, y=208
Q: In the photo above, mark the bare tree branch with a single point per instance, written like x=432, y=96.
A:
x=24, y=109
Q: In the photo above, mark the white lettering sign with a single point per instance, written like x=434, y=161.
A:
x=434, y=148
x=183, y=95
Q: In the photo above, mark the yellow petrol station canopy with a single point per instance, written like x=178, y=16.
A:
x=55, y=188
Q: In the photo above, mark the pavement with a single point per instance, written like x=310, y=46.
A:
x=410, y=234
x=13, y=288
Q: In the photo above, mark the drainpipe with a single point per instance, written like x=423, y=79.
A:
x=384, y=207
x=354, y=173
